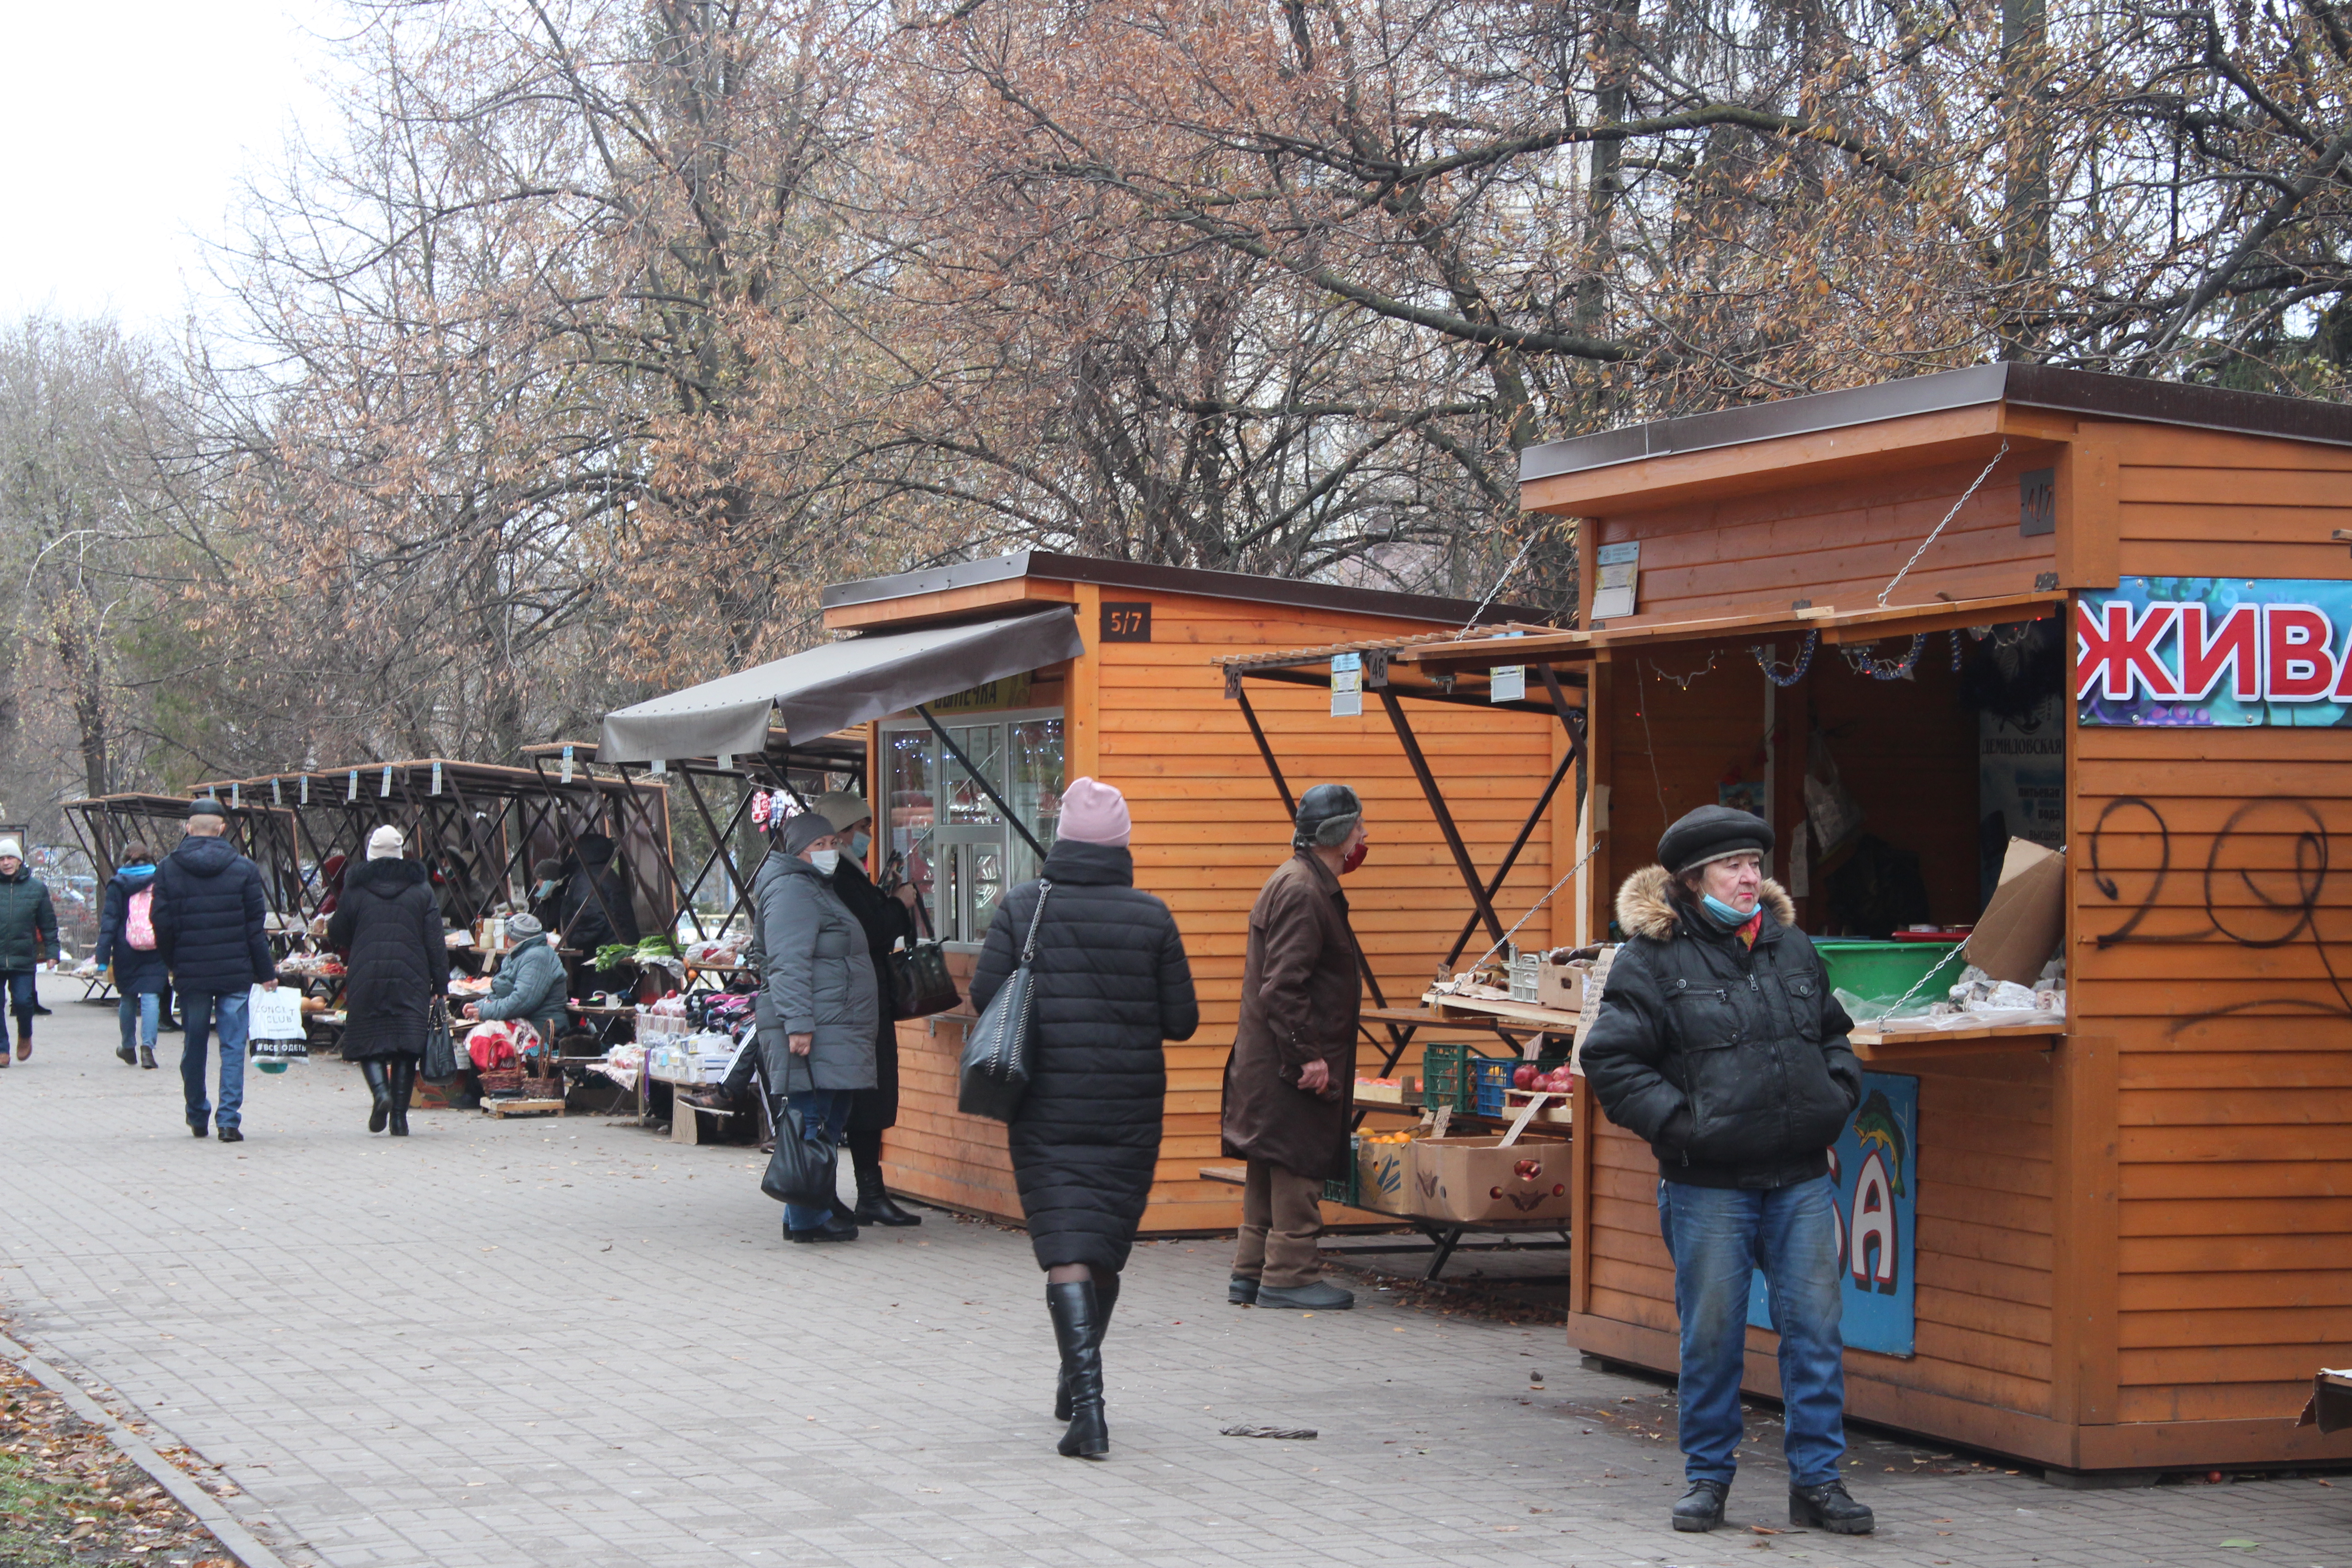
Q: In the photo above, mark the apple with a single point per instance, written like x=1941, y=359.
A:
x=1524, y=1076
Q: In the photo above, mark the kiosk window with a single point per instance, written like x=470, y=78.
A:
x=947, y=836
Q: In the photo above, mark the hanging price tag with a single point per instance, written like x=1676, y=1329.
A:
x=384, y=789
x=276, y=798
x=726, y=762
x=436, y=779
x=354, y=790
x=236, y=797
x=567, y=764
x=306, y=789
x=659, y=767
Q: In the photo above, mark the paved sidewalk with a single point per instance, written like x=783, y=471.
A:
x=568, y=1342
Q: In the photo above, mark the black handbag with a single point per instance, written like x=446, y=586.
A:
x=994, y=1073
x=919, y=983
x=440, y=1063
x=801, y=1171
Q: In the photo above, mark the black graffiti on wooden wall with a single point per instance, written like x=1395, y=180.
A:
x=2285, y=898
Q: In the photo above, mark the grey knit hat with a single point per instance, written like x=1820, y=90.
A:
x=803, y=830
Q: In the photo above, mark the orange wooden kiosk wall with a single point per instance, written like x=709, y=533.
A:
x=2133, y=1248
x=1153, y=719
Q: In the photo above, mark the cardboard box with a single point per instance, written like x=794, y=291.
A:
x=1474, y=1179
x=2027, y=918
x=1560, y=983
x=1384, y=1176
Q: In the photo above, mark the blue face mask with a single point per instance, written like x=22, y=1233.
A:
x=859, y=844
x=1724, y=912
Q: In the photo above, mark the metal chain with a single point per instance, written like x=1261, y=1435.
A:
x=1539, y=903
x=1931, y=539
x=1958, y=949
x=1497, y=588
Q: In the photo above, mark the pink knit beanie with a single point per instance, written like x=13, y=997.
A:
x=1094, y=813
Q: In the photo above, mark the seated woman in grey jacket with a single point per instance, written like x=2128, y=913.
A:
x=818, y=1007
x=529, y=983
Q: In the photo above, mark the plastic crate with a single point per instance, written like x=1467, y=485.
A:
x=1345, y=1191
x=1489, y=1077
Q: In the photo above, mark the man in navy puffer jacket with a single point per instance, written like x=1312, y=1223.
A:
x=209, y=916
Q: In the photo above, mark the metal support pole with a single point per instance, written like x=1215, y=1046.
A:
x=1462, y=860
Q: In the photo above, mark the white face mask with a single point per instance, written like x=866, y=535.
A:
x=826, y=861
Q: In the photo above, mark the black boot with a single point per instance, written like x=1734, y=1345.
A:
x=380, y=1086
x=403, y=1084
x=874, y=1205
x=1701, y=1508
x=1106, y=1299
x=1078, y=1330
x=1828, y=1507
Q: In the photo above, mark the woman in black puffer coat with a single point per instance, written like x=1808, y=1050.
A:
x=388, y=924
x=1112, y=984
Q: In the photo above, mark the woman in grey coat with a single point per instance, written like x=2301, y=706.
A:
x=529, y=985
x=818, y=1007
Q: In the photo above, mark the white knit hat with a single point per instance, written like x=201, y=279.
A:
x=10, y=848
x=385, y=843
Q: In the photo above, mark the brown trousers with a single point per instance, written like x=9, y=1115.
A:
x=1282, y=1214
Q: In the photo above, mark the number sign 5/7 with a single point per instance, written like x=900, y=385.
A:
x=1126, y=623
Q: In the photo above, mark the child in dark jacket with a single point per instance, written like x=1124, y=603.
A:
x=126, y=922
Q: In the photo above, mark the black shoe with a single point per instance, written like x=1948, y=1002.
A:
x=874, y=1205
x=126, y=1055
x=1701, y=1507
x=147, y=1057
x=1105, y=1297
x=39, y=1011
x=231, y=1135
x=379, y=1084
x=1241, y=1290
x=199, y=1129
x=834, y=1228
x=1827, y=1507
x=1077, y=1330
x=403, y=1082
x=1320, y=1296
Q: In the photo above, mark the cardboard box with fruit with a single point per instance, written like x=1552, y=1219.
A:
x=1474, y=1179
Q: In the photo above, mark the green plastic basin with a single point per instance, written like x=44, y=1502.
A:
x=1882, y=971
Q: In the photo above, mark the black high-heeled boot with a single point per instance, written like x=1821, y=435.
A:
x=874, y=1203
x=380, y=1086
x=1078, y=1330
x=1105, y=1299
x=403, y=1084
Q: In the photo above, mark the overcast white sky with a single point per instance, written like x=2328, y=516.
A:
x=127, y=126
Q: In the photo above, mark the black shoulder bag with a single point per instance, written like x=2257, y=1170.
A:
x=919, y=983
x=994, y=1073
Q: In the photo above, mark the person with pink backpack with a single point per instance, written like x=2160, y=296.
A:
x=126, y=939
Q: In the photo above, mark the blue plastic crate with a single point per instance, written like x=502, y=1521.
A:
x=1489, y=1077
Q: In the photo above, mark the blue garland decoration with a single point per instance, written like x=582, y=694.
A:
x=1797, y=672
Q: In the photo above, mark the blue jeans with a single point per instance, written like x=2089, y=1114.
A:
x=825, y=1110
x=24, y=992
x=1718, y=1236
x=205, y=1013
x=139, y=1011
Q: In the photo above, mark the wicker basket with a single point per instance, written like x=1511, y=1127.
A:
x=504, y=1082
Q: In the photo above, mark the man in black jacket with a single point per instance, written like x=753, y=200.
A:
x=1718, y=1041
x=209, y=915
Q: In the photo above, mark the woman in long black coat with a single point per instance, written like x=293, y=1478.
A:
x=1112, y=984
x=388, y=926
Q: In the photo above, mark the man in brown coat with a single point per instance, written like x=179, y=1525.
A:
x=1291, y=1077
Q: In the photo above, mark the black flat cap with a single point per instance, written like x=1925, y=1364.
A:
x=207, y=807
x=1710, y=833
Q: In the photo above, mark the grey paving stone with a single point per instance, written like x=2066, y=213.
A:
x=535, y=1344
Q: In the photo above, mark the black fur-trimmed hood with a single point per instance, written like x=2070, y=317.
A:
x=1645, y=907
x=387, y=877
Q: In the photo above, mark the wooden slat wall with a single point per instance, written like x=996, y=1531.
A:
x=2197, y=504
x=1209, y=828
x=1761, y=550
x=2236, y=1055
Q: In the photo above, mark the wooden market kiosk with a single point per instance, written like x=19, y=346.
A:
x=2130, y=1234
x=984, y=685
